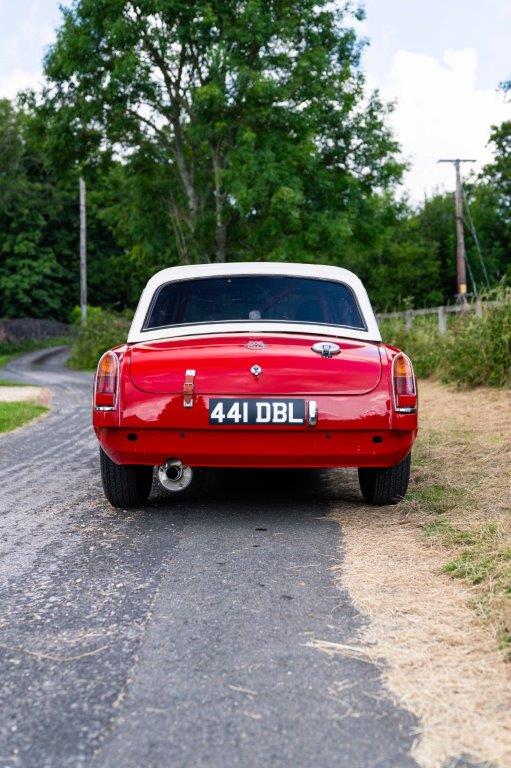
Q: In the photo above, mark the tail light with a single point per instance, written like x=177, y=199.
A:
x=106, y=382
x=405, y=391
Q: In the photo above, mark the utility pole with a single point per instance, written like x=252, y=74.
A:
x=83, y=250
x=461, y=265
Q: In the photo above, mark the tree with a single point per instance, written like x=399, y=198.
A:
x=398, y=256
x=11, y=151
x=39, y=268
x=29, y=273
x=499, y=171
x=256, y=110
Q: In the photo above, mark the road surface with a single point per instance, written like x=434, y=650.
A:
x=175, y=635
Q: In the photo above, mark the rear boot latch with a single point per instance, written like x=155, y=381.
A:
x=188, y=388
x=326, y=348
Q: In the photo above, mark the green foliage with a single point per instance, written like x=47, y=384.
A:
x=498, y=172
x=474, y=351
x=14, y=415
x=478, y=351
x=255, y=115
x=422, y=343
x=102, y=331
x=39, y=266
x=490, y=203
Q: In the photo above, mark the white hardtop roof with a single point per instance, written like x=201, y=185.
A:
x=229, y=269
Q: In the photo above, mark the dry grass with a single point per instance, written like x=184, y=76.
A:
x=441, y=663
x=441, y=658
x=461, y=492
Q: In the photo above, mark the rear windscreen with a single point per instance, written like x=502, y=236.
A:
x=254, y=298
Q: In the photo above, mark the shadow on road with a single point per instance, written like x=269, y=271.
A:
x=290, y=488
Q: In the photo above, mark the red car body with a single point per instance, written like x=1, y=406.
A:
x=188, y=393
x=357, y=424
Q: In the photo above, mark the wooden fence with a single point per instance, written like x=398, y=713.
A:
x=440, y=312
x=31, y=329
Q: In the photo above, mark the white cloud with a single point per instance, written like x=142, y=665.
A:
x=440, y=113
x=19, y=80
x=25, y=34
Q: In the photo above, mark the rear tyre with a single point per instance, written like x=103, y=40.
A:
x=385, y=486
x=125, y=485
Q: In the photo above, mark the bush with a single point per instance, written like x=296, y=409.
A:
x=103, y=330
x=479, y=349
x=423, y=344
x=474, y=351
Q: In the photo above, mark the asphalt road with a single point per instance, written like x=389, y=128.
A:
x=175, y=635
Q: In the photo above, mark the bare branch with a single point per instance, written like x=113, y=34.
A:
x=150, y=124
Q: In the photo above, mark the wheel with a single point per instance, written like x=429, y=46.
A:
x=125, y=485
x=385, y=486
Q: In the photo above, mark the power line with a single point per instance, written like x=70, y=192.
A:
x=476, y=240
x=471, y=276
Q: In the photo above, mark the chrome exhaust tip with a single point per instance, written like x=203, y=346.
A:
x=175, y=476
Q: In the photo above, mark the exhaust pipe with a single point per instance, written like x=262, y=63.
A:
x=174, y=475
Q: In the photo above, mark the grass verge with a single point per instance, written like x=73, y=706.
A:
x=418, y=570
x=15, y=414
x=437, y=659
x=461, y=493
x=11, y=349
x=7, y=383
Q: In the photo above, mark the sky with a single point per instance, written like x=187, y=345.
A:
x=439, y=61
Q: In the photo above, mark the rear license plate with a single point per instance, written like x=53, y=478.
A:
x=289, y=412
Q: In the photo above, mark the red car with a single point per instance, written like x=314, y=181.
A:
x=253, y=365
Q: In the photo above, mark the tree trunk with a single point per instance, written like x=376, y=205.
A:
x=220, y=230
x=188, y=187
x=181, y=244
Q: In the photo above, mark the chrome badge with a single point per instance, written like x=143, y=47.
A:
x=256, y=345
x=256, y=370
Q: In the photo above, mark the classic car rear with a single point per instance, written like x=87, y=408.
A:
x=253, y=365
